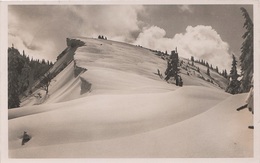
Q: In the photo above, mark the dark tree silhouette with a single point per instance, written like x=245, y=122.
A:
x=13, y=85
x=217, y=69
x=45, y=82
x=225, y=73
x=192, y=61
x=173, y=67
x=22, y=73
x=207, y=64
x=211, y=67
x=246, y=57
x=208, y=72
x=192, y=58
x=234, y=84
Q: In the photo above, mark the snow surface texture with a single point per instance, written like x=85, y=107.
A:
x=120, y=107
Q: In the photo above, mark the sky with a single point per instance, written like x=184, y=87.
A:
x=209, y=32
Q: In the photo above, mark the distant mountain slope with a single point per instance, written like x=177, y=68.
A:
x=102, y=57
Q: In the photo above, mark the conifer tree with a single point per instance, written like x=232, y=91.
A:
x=217, y=69
x=172, y=67
x=192, y=58
x=45, y=82
x=234, y=84
x=22, y=73
x=225, y=73
x=13, y=87
x=208, y=72
x=24, y=77
x=246, y=57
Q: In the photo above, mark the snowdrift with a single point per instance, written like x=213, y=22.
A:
x=120, y=107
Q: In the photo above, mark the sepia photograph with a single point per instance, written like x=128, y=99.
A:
x=130, y=80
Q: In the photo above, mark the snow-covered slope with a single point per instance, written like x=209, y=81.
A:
x=120, y=107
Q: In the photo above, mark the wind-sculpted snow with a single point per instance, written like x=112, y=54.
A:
x=120, y=107
x=108, y=116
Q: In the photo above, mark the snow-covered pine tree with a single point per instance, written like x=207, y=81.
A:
x=246, y=57
x=234, y=84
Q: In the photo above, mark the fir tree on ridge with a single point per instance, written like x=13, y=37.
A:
x=208, y=72
x=192, y=60
x=246, y=57
x=173, y=67
x=234, y=84
x=217, y=69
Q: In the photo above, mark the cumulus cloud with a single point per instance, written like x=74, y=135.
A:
x=202, y=42
x=41, y=30
x=31, y=46
x=185, y=8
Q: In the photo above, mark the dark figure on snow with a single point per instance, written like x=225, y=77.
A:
x=25, y=138
x=249, y=103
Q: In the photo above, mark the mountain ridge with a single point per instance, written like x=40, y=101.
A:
x=127, y=103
